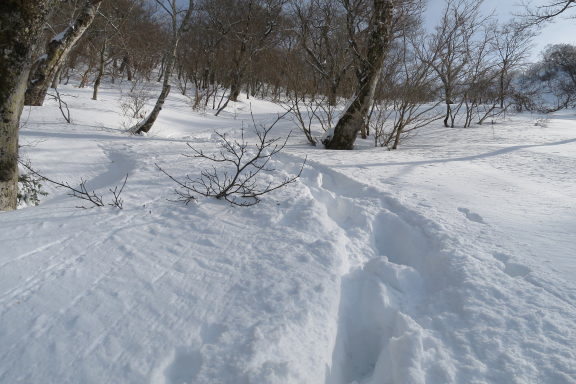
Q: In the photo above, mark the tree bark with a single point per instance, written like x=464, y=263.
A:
x=56, y=79
x=21, y=23
x=101, y=65
x=56, y=52
x=354, y=118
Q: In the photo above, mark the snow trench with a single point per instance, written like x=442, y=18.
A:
x=417, y=306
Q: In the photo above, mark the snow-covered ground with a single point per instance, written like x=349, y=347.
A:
x=451, y=260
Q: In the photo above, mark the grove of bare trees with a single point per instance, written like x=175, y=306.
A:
x=348, y=68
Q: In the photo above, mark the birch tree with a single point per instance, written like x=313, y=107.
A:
x=177, y=28
x=371, y=27
x=21, y=22
x=57, y=51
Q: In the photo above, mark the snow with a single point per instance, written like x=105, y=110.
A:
x=450, y=260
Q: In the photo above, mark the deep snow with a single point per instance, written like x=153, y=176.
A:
x=451, y=260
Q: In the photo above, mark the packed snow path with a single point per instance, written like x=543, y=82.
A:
x=449, y=261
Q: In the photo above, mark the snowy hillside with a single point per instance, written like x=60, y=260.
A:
x=451, y=260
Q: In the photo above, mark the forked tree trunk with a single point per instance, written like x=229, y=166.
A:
x=56, y=52
x=21, y=22
x=354, y=118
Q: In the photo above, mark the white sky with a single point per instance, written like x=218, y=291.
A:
x=562, y=30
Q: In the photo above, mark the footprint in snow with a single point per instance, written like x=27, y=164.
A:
x=471, y=215
x=516, y=270
x=185, y=366
x=510, y=268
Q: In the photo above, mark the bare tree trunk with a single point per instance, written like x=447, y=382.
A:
x=168, y=68
x=56, y=52
x=100, y=71
x=235, y=88
x=85, y=76
x=166, y=74
x=448, y=114
x=162, y=69
x=20, y=27
x=448, y=94
x=502, y=86
x=354, y=118
x=333, y=94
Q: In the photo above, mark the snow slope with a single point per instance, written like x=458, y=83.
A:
x=451, y=260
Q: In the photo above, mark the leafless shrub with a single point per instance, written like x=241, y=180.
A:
x=62, y=105
x=82, y=192
x=133, y=103
x=237, y=174
x=309, y=111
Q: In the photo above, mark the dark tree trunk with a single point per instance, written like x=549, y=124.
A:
x=333, y=94
x=162, y=69
x=235, y=89
x=56, y=52
x=448, y=113
x=354, y=118
x=100, y=74
x=502, y=92
x=128, y=71
x=20, y=27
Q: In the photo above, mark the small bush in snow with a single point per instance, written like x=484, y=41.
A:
x=238, y=173
x=29, y=190
x=81, y=192
x=133, y=103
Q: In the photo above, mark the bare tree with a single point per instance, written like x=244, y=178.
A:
x=552, y=81
x=247, y=28
x=369, y=65
x=536, y=15
x=57, y=50
x=479, y=86
x=322, y=35
x=448, y=50
x=20, y=27
x=177, y=28
x=410, y=96
x=511, y=45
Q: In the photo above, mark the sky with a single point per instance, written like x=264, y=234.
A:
x=562, y=30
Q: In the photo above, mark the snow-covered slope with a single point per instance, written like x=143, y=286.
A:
x=451, y=260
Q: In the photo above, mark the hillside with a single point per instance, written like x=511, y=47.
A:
x=450, y=260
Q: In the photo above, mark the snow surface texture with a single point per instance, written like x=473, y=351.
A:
x=451, y=260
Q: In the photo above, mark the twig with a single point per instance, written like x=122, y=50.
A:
x=82, y=192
